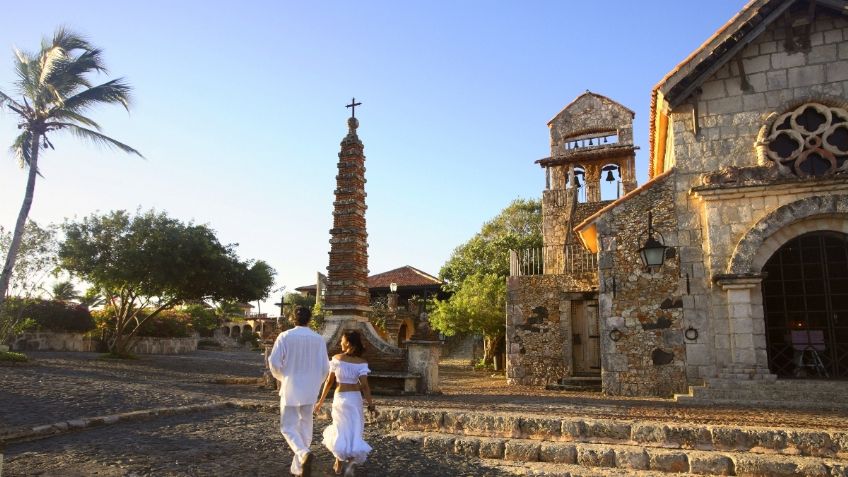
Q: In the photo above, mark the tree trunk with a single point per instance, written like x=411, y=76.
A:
x=17, y=236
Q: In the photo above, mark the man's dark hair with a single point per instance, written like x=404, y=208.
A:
x=302, y=315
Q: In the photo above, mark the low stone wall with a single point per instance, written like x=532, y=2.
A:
x=164, y=345
x=53, y=341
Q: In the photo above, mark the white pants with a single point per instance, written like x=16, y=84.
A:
x=296, y=426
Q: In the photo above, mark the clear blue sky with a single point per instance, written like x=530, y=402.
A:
x=239, y=111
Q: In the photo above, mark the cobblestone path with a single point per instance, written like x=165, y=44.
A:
x=245, y=442
x=221, y=443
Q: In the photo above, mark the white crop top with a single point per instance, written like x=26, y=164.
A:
x=348, y=373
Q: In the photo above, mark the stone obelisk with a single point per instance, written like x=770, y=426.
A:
x=347, y=295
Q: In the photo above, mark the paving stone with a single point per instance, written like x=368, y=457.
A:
x=631, y=459
x=468, y=446
x=595, y=456
x=668, y=461
x=557, y=452
x=708, y=463
x=439, y=442
x=523, y=450
x=491, y=448
x=540, y=428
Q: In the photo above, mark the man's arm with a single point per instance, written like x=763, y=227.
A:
x=277, y=358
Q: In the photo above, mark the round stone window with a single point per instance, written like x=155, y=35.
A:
x=811, y=140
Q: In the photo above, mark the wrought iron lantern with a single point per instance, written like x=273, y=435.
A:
x=653, y=251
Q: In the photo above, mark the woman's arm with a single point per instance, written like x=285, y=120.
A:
x=328, y=385
x=366, y=392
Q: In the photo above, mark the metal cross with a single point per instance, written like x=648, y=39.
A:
x=353, y=104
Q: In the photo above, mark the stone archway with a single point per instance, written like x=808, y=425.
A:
x=743, y=280
x=783, y=224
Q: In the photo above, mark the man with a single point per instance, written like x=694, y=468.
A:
x=299, y=361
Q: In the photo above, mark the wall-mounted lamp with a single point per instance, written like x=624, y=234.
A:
x=393, y=287
x=691, y=334
x=615, y=334
x=653, y=250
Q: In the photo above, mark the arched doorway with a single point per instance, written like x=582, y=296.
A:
x=805, y=300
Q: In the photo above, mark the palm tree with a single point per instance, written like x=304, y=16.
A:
x=64, y=292
x=55, y=92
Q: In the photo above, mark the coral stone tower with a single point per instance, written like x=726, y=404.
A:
x=347, y=290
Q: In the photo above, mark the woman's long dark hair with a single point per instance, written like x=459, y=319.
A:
x=354, y=339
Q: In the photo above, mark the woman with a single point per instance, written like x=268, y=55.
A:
x=344, y=436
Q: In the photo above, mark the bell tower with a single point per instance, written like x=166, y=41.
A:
x=591, y=144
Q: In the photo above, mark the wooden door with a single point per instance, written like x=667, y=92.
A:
x=585, y=338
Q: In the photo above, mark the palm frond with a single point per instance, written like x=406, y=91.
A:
x=16, y=106
x=64, y=114
x=96, y=137
x=20, y=148
x=114, y=91
x=48, y=59
x=69, y=74
x=69, y=40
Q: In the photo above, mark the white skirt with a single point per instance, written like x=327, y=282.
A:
x=344, y=436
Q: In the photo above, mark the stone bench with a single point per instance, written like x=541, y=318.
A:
x=393, y=382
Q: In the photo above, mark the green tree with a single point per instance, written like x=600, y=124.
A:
x=148, y=263
x=477, y=270
x=55, y=94
x=36, y=261
x=518, y=226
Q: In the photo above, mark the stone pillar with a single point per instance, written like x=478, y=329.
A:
x=748, y=359
x=392, y=302
x=593, y=183
x=423, y=359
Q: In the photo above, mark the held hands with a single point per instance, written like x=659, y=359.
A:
x=317, y=410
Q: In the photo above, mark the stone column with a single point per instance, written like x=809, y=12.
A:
x=593, y=183
x=748, y=358
x=423, y=359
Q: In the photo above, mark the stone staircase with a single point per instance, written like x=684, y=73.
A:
x=572, y=446
x=576, y=383
x=800, y=393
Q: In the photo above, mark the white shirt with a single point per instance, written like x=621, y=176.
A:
x=299, y=361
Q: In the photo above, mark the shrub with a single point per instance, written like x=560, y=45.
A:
x=49, y=315
x=248, y=336
x=13, y=357
x=168, y=324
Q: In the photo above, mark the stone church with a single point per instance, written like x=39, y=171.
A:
x=727, y=271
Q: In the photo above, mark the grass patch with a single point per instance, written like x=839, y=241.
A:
x=113, y=355
x=13, y=357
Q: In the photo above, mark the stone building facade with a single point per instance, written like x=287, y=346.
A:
x=749, y=141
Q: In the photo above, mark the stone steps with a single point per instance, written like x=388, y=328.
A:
x=576, y=383
x=599, y=459
x=645, y=434
x=781, y=393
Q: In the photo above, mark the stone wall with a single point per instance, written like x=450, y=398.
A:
x=642, y=309
x=538, y=329
x=51, y=341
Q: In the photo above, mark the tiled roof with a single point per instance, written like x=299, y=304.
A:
x=404, y=277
